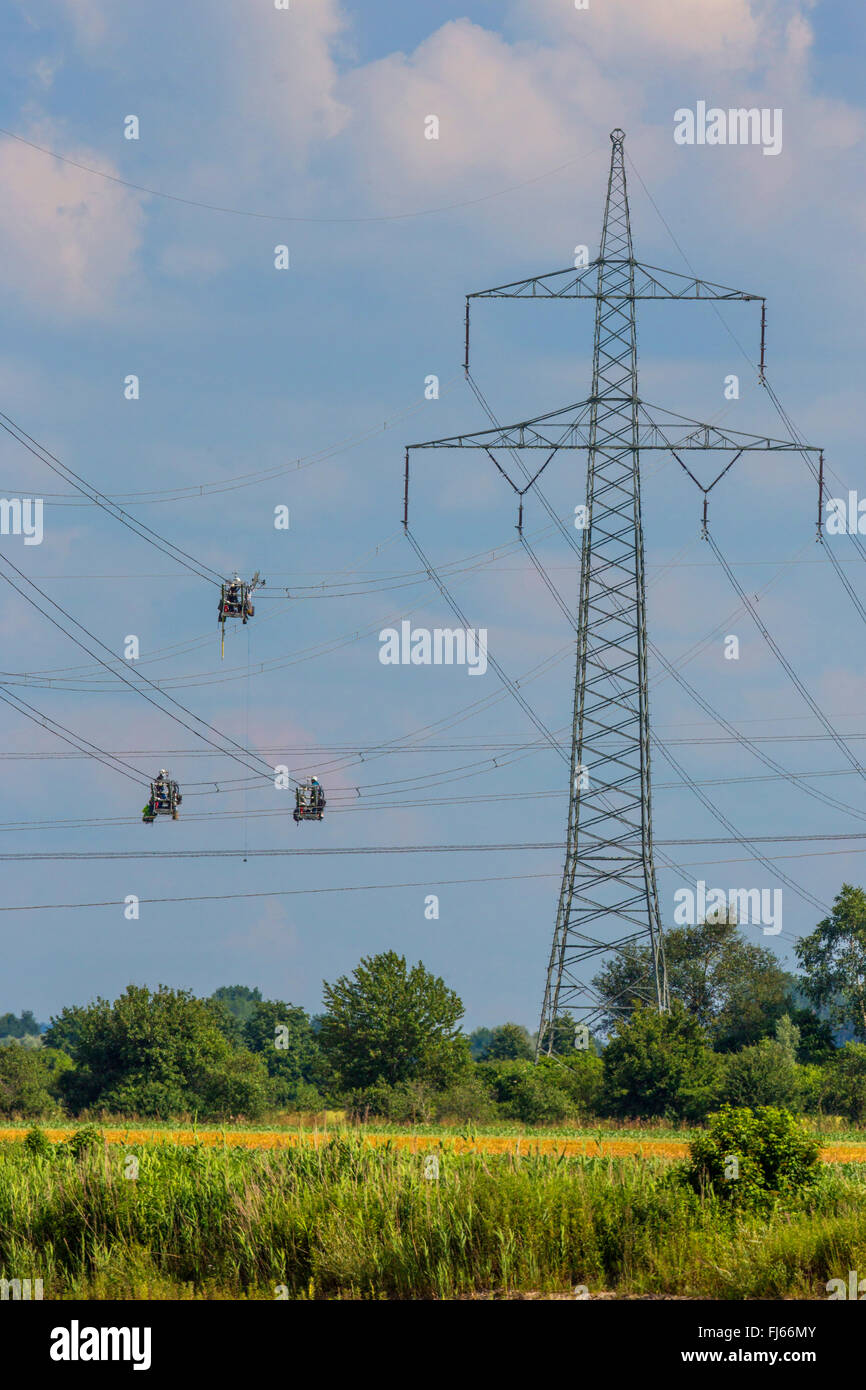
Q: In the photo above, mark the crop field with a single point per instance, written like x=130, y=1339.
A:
x=163, y=1215
x=594, y=1145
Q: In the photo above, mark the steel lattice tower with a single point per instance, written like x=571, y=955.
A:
x=609, y=874
x=608, y=899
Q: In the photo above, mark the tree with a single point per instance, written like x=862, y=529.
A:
x=23, y=1027
x=816, y=1035
x=64, y=1030
x=29, y=1080
x=564, y=1030
x=833, y=958
x=385, y=1023
x=282, y=1036
x=240, y=1000
x=846, y=1082
x=766, y=1073
x=479, y=1041
x=233, y=1005
x=529, y=1093
x=624, y=983
x=735, y=989
x=659, y=1065
x=508, y=1042
x=788, y=1036
x=157, y=1054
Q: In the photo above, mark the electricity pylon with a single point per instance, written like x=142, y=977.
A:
x=608, y=900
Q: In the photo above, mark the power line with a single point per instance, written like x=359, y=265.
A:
x=138, y=528
x=329, y=850
x=119, y=674
x=60, y=731
x=784, y=662
x=506, y=680
x=282, y=217
x=243, y=480
x=687, y=780
x=277, y=893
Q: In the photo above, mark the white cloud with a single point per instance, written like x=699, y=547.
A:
x=67, y=239
x=724, y=32
x=505, y=111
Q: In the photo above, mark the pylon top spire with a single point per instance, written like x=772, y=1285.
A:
x=616, y=232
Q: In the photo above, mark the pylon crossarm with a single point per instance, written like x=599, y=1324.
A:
x=655, y=286
x=571, y=428
x=574, y=286
x=650, y=282
x=513, y=436
x=665, y=429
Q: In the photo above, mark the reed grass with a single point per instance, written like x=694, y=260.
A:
x=348, y=1220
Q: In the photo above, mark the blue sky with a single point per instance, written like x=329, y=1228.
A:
x=318, y=113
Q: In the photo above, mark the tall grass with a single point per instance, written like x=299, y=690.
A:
x=349, y=1221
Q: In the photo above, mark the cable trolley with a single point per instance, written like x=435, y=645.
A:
x=236, y=601
x=309, y=801
x=164, y=800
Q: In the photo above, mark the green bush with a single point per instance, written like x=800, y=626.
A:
x=468, y=1099
x=581, y=1076
x=37, y=1143
x=659, y=1065
x=156, y=1053
x=407, y=1102
x=83, y=1141
x=747, y=1157
x=845, y=1076
x=299, y=1096
x=532, y=1094
x=29, y=1080
x=763, y=1074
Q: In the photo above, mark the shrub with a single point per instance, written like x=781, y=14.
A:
x=305, y=1097
x=533, y=1094
x=747, y=1157
x=846, y=1082
x=509, y=1042
x=469, y=1099
x=28, y=1080
x=581, y=1077
x=37, y=1143
x=408, y=1102
x=659, y=1065
x=84, y=1140
x=763, y=1074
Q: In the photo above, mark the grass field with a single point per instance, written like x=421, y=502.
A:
x=345, y=1218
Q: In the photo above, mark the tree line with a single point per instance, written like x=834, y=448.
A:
x=389, y=1044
